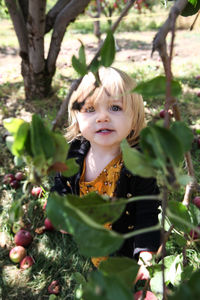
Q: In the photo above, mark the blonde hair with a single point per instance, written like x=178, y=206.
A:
x=114, y=84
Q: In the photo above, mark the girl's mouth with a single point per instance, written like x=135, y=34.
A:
x=104, y=131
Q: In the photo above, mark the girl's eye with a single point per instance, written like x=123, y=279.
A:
x=115, y=108
x=89, y=109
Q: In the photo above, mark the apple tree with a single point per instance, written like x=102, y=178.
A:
x=31, y=23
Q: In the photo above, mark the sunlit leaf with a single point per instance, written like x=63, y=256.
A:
x=156, y=87
x=18, y=146
x=108, y=50
x=13, y=124
x=178, y=215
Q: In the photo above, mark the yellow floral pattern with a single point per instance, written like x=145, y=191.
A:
x=104, y=184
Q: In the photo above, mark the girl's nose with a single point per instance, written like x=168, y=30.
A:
x=102, y=116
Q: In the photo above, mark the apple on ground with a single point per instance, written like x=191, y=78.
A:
x=8, y=178
x=37, y=192
x=198, y=94
x=14, y=184
x=48, y=225
x=196, y=201
x=17, y=253
x=54, y=287
x=26, y=262
x=149, y=296
x=19, y=176
x=197, y=77
x=16, y=227
x=23, y=238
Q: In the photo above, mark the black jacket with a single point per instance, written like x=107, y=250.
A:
x=137, y=215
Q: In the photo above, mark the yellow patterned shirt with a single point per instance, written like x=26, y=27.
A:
x=104, y=184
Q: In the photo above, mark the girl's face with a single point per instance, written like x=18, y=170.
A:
x=104, y=123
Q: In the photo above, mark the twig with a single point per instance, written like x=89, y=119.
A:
x=196, y=18
x=58, y=122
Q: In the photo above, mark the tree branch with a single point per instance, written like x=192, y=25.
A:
x=19, y=25
x=36, y=27
x=69, y=13
x=58, y=122
x=53, y=13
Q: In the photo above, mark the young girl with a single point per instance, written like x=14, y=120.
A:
x=100, y=117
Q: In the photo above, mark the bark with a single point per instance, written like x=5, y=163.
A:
x=67, y=15
x=24, y=8
x=52, y=14
x=36, y=28
x=19, y=25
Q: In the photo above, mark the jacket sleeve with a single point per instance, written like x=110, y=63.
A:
x=146, y=215
x=60, y=185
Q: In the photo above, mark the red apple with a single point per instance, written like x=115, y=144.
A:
x=14, y=184
x=17, y=254
x=48, y=225
x=197, y=77
x=37, y=192
x=23, y=238
x=162, y=114
x=19, y=176
x=26, y=262
x=8, y=178
x=149, y=296
x=54, y=287
x=196, y=201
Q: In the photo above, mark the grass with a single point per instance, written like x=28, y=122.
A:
x=56, y=255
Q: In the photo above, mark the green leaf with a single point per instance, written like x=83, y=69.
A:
x=163, y=144
x=13, y=124
x=188, y=290
x=94, y=66
x=79, y=278
x=178, y=215
x=194, y=214
x=191, y=8
x=66, y=216
x=105, y=287
x=42, y=142
x=61, y=147
x=124, y=268
x=18, y=146
x=136, y=162
x=184, y=134
x=99, y=208
x=72, y=167
x=81, y=54
x=79, y=67
x=107, y=52
x=156, y=87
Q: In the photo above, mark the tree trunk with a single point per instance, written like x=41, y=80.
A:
x=36, y=85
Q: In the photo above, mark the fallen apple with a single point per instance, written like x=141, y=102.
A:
x=26, y=262
x=23, y=238
x=54, y=287
x=162, y=114
x=198, y=94
x=37, y=192
x=14, y=184
x=48, y=225
x=19, y=176
x=16, y=227
x=17, y=253
x=196, y=201
x=149, y=296
x=8, y=178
